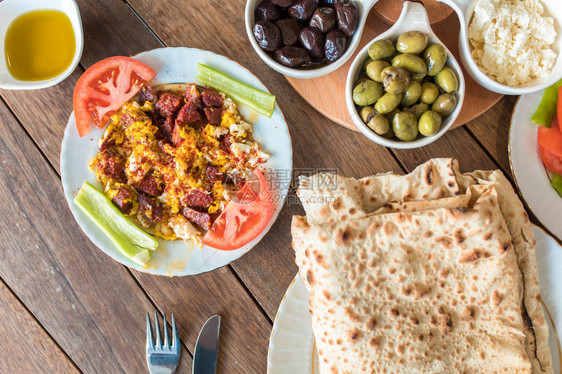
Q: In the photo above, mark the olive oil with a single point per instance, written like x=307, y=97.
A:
x=39, y=45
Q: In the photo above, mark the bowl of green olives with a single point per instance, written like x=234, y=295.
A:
x=405, y=89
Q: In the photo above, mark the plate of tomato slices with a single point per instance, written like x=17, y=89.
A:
x=249, y=214
x=535, y=153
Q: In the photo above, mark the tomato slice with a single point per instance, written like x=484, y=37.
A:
x=551, y=161
x=550, y=138
x=244, y=218
x=105, y=87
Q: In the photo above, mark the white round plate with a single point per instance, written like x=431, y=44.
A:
x=292, y=349
x=530, y=174
x=179, y=65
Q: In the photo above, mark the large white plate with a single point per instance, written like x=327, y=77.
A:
x=530, y=174
x=179, y=65
x=291, y=345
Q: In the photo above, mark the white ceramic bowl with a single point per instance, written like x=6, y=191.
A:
x=363, y=8
x=464, y=9
x=9, y=10
x=412, y=18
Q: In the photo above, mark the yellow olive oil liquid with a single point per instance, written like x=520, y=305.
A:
x=39, y=45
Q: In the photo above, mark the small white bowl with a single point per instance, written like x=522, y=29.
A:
x=412, y=18
x=9, y=10
x=464, y=10
x=363, y=8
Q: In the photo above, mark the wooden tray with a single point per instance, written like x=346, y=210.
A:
x=327, y=94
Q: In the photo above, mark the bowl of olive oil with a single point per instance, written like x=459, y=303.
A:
x=41, y=42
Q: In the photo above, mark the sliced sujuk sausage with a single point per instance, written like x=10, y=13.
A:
x=211, y=98
x=151, y=185
x=111, y=165
x=149, y=210
x=123, y=200
x=198, y=198
x=201, y=219
x=168, y=104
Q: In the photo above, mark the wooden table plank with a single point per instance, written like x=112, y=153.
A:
x=87, y=302
x=26, y=347
x=492, y=131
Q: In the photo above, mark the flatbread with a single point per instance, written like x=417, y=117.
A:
x=451, y=302
x=441, y=180
x=330, y=197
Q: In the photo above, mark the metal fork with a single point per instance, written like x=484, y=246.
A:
x=162, y=357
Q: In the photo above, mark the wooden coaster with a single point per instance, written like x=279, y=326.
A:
x=390, y=10
x=327, y=94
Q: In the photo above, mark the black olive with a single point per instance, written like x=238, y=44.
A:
x=347, y=16
x=283, y=3
x=290, y=30
x=312, y=40
x=267, y=11
x=268, y=35
x=302, y=10
x=324, y=19
x=329, y=2
x=336, y=44
x=292, y=56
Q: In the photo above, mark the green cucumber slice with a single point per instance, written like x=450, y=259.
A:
x=127, y=237
x=556, y=182
x=546, y=110
x=260, y=101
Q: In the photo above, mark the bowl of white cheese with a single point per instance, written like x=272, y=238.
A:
x=510, y=46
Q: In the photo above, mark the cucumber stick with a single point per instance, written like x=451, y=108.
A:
x=260, y=101
x=546, y=110
x=127, y=237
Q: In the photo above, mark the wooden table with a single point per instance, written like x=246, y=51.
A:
x=67, y=307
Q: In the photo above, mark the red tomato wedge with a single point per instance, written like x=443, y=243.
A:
x=105, y=87
x=551, y=138
x=244, y=218
x=551, y=161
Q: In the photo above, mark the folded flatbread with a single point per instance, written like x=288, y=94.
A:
x=335, y=203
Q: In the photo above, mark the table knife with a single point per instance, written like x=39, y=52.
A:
x=207, y=347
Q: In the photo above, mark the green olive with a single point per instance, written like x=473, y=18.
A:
x=374, y=69
x=412, y=63
x=405, y=126
x=395, y=80
x=361, y=80
x=388, y=102
x=411, y=42
x=367, y=112
x=429, y=92
x=367, y=62
x=379, y=124
x=367, y=92
x=412, y=94
x=447, y=80
x=381, y=49
x=389, y=134
x=444, y=104
x=419, y=109
x=435, y=57
x=429, y=123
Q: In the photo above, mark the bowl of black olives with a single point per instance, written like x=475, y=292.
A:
x=405, y=89
x=305, y=38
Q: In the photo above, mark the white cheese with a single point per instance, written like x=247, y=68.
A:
x=511, y=40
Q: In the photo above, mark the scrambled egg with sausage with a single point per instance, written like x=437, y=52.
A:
x=173, y=157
